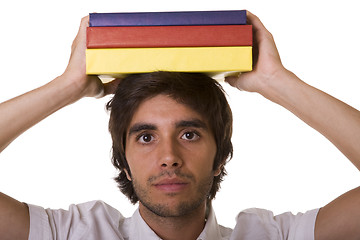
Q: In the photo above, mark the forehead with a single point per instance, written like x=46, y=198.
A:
x=163, y=109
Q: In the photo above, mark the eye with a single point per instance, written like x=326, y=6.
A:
x=145, y=138
x=192, y=136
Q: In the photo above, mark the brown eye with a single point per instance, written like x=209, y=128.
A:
x=145, y=138
x=190, y=136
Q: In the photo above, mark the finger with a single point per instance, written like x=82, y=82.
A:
x=247, y=81
x=254, y=20
x=259, y=30
x=263, y=39
x=95, y=87
x=232, y=80
x=81, y=34
x=83, y=24
x=110, y=87
x=236, y=81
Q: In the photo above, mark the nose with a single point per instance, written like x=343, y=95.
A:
x=169, y=154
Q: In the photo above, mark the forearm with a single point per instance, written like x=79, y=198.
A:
x=22, y=112
x=337, y=121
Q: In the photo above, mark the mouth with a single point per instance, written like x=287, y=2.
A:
x=171, y=185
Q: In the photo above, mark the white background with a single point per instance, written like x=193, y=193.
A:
x=279, y=162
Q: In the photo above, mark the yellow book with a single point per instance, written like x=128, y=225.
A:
x=213, y=60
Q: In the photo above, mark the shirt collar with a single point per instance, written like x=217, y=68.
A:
x=212, y=228
x=139, y=230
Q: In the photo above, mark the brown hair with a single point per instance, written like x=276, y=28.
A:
x=195, y=90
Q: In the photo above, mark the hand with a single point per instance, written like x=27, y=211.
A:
x=87, y=86
x=267, y=63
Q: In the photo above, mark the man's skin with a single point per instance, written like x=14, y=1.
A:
x=334, y=119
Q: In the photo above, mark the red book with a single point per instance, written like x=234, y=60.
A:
x=169, y=36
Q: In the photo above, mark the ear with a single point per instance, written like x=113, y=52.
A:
x=127, y=174
x=218, y=170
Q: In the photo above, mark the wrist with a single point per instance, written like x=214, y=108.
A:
x=68, y=89
x=280, y=86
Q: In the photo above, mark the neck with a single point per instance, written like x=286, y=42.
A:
x=175, y=228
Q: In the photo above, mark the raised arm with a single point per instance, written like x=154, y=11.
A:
x=337, y=121
x=22, y=112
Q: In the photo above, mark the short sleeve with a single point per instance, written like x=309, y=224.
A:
x=92, y=220
x=39, y=223
x=261, y=224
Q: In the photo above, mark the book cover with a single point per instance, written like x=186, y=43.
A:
x=169, y=36
x=115, y=61
x=231, y=17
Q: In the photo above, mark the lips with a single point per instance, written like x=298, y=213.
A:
x=171, y=185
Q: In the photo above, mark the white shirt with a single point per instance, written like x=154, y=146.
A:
x=98, y=221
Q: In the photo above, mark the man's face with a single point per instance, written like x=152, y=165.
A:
x=170, y=150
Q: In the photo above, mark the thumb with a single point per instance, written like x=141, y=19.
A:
x=110, y=87
x=233, y=81
x=243, y=81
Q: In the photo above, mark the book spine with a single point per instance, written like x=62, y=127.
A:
x=235, y=17
x=109, y=61
x=169, y=36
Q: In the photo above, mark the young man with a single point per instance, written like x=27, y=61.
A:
x=170, y=156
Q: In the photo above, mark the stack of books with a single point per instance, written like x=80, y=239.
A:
x=212, y=42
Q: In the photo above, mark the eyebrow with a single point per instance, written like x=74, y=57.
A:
x=197, y=123
x=138, y=127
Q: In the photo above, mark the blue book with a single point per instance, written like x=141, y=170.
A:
x=230, y=17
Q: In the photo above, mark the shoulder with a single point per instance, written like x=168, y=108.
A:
x=255, y=223
x=95, y=208
x=88, y=211
x=76, y=222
